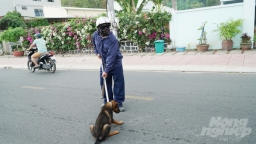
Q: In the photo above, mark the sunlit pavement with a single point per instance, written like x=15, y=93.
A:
x=188, y=61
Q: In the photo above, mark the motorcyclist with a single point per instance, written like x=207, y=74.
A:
x=41, y=46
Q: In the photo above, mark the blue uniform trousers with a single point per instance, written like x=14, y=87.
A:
x=115, y=75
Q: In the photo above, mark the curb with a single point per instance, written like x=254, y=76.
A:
x=211, y=69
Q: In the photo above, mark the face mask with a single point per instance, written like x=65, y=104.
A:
x=104, y=29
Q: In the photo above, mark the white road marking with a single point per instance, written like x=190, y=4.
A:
x=139, y=98
x=30, y=87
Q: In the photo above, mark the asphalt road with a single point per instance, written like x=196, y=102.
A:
x=161, y=108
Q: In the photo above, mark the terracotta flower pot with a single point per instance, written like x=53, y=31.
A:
x=227, y=45
x=245, y=46
x=202, y=47
x=18, y=53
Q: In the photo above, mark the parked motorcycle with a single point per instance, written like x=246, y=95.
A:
x=46, y=61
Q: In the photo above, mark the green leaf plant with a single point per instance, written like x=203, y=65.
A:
x=229, y=29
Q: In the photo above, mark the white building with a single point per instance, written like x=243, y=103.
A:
x=27, y=8
x=70, y=12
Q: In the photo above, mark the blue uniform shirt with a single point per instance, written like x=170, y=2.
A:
x=108, y=48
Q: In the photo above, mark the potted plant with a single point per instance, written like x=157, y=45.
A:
x=246, y=42
x=13, y=35
x=17, y=50
x=202, y=46
x=227, y=30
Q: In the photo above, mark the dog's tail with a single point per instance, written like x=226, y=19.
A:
x=98, y=141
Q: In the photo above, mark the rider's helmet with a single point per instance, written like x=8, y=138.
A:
x=38, y=35
x=102, y=20
x=103, y=24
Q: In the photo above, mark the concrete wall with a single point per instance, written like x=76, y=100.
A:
x=249, y=16
x=184, y=25
x=7, y=48
x=5, y=6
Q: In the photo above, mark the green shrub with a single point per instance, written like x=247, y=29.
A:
x=71, y=35
x=12, y=35
x=36, y=22
x=12, y=19
x=16, y=46
x=144, y=28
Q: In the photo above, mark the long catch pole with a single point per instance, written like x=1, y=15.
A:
x=105, y=84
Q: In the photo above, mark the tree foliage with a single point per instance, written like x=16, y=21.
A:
x=131, y=6
x=14, y=13
x=36, y=22
x=167, y=3
x=190, y=4
x=212, y=2
x=12, y=19
x=12, y=35
x=84, y=3
x=128, y=6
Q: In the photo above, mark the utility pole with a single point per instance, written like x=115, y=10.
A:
x=14, y=4
x=174, y=4
x=111, y=16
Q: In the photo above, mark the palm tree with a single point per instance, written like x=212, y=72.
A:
x=130, y=6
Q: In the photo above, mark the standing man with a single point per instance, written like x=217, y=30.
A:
x=41, y=46
x=106, y=48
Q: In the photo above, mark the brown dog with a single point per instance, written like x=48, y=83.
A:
x=101, y=130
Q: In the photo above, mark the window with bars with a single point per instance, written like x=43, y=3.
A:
x=24, y=7
x=50, y=0
x=39, y=12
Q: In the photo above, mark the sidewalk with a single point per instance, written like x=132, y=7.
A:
x=237, y=61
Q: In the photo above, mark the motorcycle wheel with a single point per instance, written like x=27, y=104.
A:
x=30, y=66
x=53, y=66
